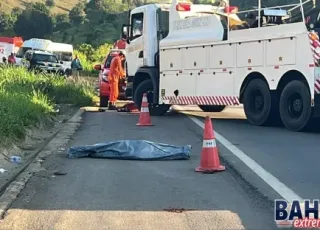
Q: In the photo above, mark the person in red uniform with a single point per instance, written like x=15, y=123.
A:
x=11, y=59
x=115, y=74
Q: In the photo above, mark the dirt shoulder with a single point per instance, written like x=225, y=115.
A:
x=35, y=140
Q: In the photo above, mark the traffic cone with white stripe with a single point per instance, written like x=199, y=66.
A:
x=210, y=161
x=144, y=119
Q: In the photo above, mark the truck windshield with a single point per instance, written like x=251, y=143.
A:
x=63, y=56
x=22, y=51
x=45, y=58
x=108, y=61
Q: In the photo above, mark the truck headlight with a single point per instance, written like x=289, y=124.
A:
x=104, y=78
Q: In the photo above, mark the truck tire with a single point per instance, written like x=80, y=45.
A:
x=104, y=100
x=295, y=106
x=147, y=87
x=212, y=108
x=257, y=102
x=68, y=72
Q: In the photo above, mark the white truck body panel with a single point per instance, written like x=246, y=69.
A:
x=6, y=49
x=208, y=71
x=59, y=49
x=36, y=43
x=147, y=43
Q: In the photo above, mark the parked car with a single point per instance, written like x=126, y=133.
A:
x=103, y=79
x=42, y=61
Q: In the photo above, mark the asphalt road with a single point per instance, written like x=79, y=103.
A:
x=119, y=194
x=292, y=157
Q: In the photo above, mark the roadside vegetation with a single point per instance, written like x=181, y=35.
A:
x=89, y=56
x=28, y=100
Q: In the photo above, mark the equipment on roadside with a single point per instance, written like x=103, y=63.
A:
x=144, y=118
x=210, y=161
x=129, y=108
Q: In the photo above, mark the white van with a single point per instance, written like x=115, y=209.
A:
x=63, y=52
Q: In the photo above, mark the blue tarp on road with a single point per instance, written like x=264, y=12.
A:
x=132, y=150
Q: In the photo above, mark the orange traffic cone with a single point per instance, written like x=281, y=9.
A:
x=209, y=156
x=144, y=119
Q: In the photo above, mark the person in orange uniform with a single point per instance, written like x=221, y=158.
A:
x=115, y=74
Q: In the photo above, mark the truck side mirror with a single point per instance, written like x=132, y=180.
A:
x=97, y=67
x=124, y=34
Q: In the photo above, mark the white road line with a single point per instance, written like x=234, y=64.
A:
x=272, y=181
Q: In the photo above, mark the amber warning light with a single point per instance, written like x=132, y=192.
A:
x=183, y=6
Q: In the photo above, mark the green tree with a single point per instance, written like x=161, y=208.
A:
x=6, y=22
x=62, y=22
x=77, y=14
x=87, y=50
x=50, y=3
x=38, y=6
x=15, y=12
x=33, y=23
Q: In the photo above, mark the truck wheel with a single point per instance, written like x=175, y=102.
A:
x=147, y=87
x=257, y=102
x=104, y=100
x=212, y=108
x=68, y=72
x=295, y=106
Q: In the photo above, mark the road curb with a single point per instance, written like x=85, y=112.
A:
x=60, y=138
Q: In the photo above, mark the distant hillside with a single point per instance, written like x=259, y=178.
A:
x=61, y=6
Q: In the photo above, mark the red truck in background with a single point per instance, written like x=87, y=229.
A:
x=104, y=71
x=9, y=45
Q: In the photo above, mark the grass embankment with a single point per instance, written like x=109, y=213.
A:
x=28, y=99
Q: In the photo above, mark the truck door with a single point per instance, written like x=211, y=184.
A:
x=134, y=51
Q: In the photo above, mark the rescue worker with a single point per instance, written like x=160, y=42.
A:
x=11, y=59
x=115, y=74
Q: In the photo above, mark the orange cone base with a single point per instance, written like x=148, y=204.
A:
x=210, y=170
x=148, y=124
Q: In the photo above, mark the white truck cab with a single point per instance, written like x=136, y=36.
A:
x=205, y=55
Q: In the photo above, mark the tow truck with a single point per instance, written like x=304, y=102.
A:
x=189, y=54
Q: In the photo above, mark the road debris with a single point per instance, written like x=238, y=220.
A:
x=132, y=150
x=2, y=170
x=177, y=210
x=15, y=159
x=39, y=160
x=61, y=149
x=59, y=173
x=129, y=108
